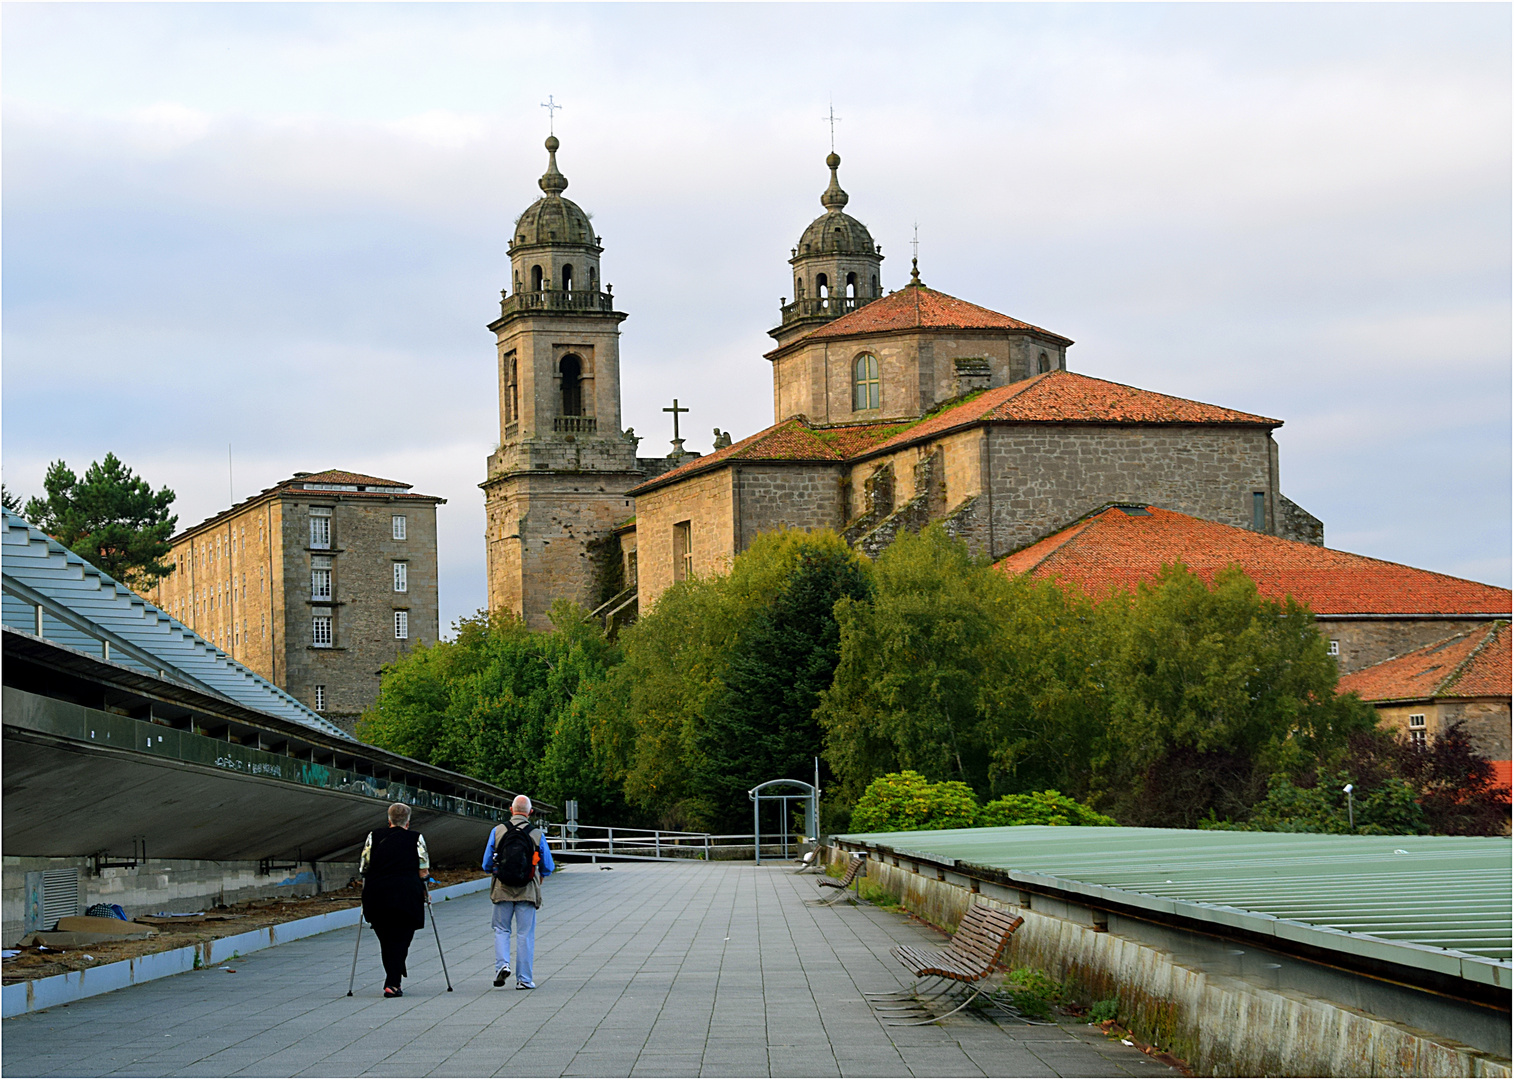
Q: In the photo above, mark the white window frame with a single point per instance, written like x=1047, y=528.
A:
x=1417, y=720
x=320, y=527
x=320, y=698
x=322, y=631
x=398, y=526
x=1417, y=737
x=401, y=625
x=1335, y=648
x=401, y=577
x=320, y=583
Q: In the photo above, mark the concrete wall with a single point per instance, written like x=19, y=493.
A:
x=164, y=885
x=1231, y=1022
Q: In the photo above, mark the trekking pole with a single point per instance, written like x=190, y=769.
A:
x=355, y=944
x=439, y=943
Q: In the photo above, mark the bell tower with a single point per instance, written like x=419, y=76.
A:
x=557, y=480
x=837, y=267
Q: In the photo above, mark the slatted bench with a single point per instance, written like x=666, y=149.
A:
x=970, y=956
x=854, y=869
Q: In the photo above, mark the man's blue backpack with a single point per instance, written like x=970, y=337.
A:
x=515, y=855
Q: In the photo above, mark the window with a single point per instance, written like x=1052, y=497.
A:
x=865, y=382
x=1417, y=729
x=512, y=381
x=536, y=279
x=1335, y=648
x=397, y=526
x=320, y=697
x=401, y=577
x=572, y=397
x=1259, y=511
x=263, y=626
x=567, y=277
x=320, y=583
x=401, y=625
x=320, y=631
x=320, y=527
x=683, y=551
x=822, y=286
x=851, y=286
x=1043, y=364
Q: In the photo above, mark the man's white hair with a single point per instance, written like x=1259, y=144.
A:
x=521, y=805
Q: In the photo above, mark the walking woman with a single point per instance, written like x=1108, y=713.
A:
x=394, y=868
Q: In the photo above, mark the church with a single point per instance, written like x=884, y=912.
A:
x=891, y=409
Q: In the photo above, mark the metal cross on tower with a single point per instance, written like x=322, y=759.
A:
x=832, y=117
x=551, y=107
x=915, y=243
x=677, y=442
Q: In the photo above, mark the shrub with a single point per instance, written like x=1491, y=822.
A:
x=1040, y=808
x=905, y=801
x=1103, y=1011
x=1032, y=992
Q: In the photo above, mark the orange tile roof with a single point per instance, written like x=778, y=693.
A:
x=1065, y=397
x=1115, y=550
x=1503, y=774
x=794, y=439
x=341, y=476
x=1474, y=663
x=918, y=307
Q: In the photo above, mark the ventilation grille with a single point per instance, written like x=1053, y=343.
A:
x=60, y=895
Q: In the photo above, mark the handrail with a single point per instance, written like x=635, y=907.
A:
x=556, y=300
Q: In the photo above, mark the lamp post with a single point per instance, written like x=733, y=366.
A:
x=1350, y=807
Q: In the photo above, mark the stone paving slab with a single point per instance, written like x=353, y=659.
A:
x=663, y=969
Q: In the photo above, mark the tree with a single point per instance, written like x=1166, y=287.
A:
x=10, y=500
x=110, y=517
x=906, y=801
x=1040, y=808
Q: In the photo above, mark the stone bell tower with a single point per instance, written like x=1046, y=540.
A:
x=557, y=481
x=836, y=266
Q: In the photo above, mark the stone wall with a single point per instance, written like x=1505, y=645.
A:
x=1364, y=642
x=363, y=553
x=1296, y=523
x=707, y=503
x=772, y=496
x=1486, y=721
x=1045, y=476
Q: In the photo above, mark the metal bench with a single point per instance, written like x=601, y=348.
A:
x=970, y=957
x=854, y=872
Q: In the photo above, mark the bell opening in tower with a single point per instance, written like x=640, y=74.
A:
x=567, y=277
x=571, y=369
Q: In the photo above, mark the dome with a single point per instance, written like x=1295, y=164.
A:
x=553, y=219
x=835, y=231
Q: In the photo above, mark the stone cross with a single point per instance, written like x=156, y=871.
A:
x=677, y=442
x=551, y=107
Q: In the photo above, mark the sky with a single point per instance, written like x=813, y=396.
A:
x=281, y=228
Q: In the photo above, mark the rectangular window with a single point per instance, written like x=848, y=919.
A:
x=397, y=526
x=1335, y=648
x=320, y=584
x=401, y=625
x=683, y=551
x=1417, y=720
x=320, y=631
x=1259, y=511
x=401, y=577
x=1417, y=737
x=320, y=697
x=320, y=527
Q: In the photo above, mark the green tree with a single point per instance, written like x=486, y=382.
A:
x=110, y=517
x=1041, y=808
x=905, y=801
x=10, y=500
x=1211, y=690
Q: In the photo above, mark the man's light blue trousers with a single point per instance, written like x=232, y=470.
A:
x=524, y=916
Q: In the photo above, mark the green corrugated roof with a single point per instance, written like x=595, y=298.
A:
x=1428, y=901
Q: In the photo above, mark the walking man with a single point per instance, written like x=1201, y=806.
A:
x=518, y=857
x=394, y=868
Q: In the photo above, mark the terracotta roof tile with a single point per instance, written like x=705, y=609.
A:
x=1470, y=664
x=916, y=307
x=1115, y=550
x=341, y=476
x=794, y=439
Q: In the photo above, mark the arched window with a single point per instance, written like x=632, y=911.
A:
x=822, y=286
x=865, y=382
x=536, y=279
x=851, y=286
x=572, y=400
x=1044, y=364
x=567, y=277
x=798, y=288
x=593, y=280
x=875, y=285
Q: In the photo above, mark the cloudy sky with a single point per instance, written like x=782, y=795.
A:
x=282, y=227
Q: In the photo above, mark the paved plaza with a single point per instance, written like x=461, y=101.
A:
x=650, y=969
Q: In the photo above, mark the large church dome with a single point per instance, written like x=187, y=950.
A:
x=553, y=219
x=835, y=231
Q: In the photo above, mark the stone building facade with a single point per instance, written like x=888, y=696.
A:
x=314, y=583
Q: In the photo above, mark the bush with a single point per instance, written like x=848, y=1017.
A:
x=905, y=801
x=1040, y=808
x=1032, y=992
x=1104, y=1011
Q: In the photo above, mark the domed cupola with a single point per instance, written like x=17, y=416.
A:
x=836, y=265
x=554, y=253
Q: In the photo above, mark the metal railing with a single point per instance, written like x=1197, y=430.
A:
x=556, y=300
x=614, y=840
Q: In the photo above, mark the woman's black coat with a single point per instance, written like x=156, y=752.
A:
x=393, y=893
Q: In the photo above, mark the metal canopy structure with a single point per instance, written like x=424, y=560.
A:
x=53, y=594
x=759, y=794
x=1437, y=903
